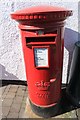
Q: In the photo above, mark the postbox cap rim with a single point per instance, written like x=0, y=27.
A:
x=40, y=9
x=40, y=14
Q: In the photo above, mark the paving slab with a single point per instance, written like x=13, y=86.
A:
x=13, y=89
x=12, y=115
x=17, y=100
x=26, y=93
x=1, y=102
x=3, y=89
x=3, y=96
x=0, y=112
x=16, y=105
x=7, y=88
x=20, y=92
x=22, y=86
x=0, y=93
x=7, y=102
x=5, y=111
x=25, y=98
x=15, y=108
x=10, y=95
x=15, y=86
x=71, y=114
x=23, y=106
x=5, y=93
x=23, y=114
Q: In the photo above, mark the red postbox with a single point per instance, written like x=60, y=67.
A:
x=43, y=41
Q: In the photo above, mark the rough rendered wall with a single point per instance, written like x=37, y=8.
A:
x=11, y=57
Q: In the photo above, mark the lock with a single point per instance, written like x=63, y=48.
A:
x=39, y=32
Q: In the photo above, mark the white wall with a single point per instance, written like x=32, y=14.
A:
x=11, y=57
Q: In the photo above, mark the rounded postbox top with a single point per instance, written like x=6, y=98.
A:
x=44, y=13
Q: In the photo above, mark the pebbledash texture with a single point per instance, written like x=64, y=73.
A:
x=11, y=56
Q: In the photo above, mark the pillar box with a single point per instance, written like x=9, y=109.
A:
x=42, y=31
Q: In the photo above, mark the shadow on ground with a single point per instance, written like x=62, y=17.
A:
x=7, y=78
x=65, y=104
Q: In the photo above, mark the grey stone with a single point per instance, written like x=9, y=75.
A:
x=12, y=115
x=17, y=100
x=7, y=102
x=5, y=111
x=15, y=108
x=3, y=89
x=20, y=92
x=13, y=89
x=10, y=95
x=71, y=114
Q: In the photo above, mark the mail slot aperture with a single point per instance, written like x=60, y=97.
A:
x=40, y=40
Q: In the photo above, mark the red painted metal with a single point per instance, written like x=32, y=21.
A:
x=42, y=30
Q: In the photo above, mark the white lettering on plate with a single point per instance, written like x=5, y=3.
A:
x=41, y=57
